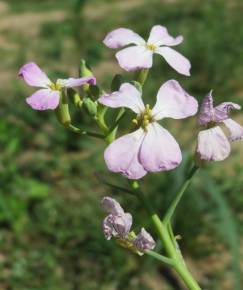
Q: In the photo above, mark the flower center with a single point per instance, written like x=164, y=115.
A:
x=144, y=118
x=55, y=86
x=151, y=46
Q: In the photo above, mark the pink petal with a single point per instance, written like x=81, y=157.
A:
x=34, y=76
x=213, y=144
x=127, y=96
x=206, y=111
x=121, y=37
x=160, y=36
x=122, y=155
x=159, y=150
x=222, y=111
x=174, y=102
x=236, y=130
x=73, y=82
x=135, y=58
x=175, y=60
x=44, y=99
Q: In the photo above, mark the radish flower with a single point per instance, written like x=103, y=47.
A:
x=49, y=95
x=151, y=148
x=212, y=142
x=140, y=55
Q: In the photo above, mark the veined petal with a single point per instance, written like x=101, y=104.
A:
x=159, y=150
x=206, y=110
x=176, y=60
x=174, y=102
x=213, y=144
x=128, y=96
x=111, y=206
x=34, y=76
x=222, y=111
x=159, y=36
x=135, y=58
x=121, y=37
x=76, y=82
x=122, y=155
x=44, y=99
x=236, y=130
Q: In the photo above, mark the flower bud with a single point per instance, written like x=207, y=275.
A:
x=144, y=241
x=84, y=71
x=90, y=106
x=62, y=111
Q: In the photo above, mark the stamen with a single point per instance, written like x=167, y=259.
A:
x=55, y=86
x=144, y=119
x=151, y=46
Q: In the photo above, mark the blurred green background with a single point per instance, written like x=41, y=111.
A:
x=50, y=216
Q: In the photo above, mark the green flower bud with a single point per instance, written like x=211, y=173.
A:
x=116, y=82
x=62, y=111
x=90, y=106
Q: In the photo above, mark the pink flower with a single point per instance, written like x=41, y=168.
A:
x=212, y=142
x=140, y=55
x=118, y=223
x=48, y=97
x=144, y=241
x=151, y=148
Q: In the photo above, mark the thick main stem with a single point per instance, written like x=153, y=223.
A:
x=172, y=252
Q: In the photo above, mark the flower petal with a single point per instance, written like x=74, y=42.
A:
x=236, y=130
x=128, y=96
x=34, y=76
x=213, y=144
x=159, y=36
x=122, y=155
x=206, y=112
x=121, y=37
x=159, y=150
x=111, y=206
x=174, y=102
x=135, y=58
x=44, y=99
x=222, y=111
x=76, y=82
x=175, y=60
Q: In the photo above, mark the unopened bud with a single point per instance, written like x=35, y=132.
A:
x=62, y=111
x=90, y=106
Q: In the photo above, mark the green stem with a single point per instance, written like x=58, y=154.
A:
x=161, y=258
x=164, y=235
x=179, y=195
x=141, y=76
x=88, y=133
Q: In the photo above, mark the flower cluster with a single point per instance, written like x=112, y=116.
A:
x=150, y=148
x=118, y=225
